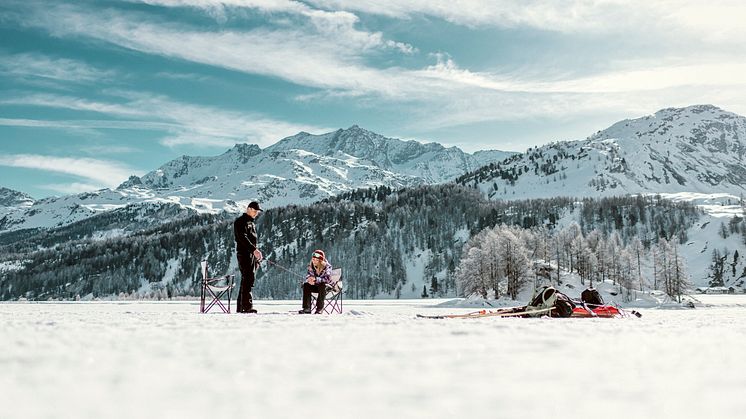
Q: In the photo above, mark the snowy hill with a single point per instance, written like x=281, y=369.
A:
x=298, y=170
x=694, y=149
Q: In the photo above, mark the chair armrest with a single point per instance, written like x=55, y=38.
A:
x=228, y=278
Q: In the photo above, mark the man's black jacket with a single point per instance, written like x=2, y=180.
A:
x=245, y=232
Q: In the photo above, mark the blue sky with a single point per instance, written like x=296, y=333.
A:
x=91, y=92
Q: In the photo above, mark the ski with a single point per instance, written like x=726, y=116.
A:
x=486, y=313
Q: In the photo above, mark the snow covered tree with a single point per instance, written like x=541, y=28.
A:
x=672, y=271
x=717, y=268
x=723, y=231
x=492, y=257
x=470, y=273
x=514, y=262
x=679, y=278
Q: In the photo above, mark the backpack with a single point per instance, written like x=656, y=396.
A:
x=549, y=297
x=591, y=296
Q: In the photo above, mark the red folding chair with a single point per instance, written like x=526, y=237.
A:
x=214, y=291
x=333, y=300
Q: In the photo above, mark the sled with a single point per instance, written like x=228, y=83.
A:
x=604, y=311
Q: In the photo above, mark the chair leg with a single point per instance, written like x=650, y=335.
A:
x=331, y=305
x=229, y=299
x=216, y=300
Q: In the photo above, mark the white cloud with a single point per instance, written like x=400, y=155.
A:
x=655, y=78
x=209, y=126
x=218, y=7
x=184, y=123
x=75, y=103
x=336, y=26
x=60, y=69
x=328, y=57
x=652, y=77
x=109, y=149
x=562, y=16
x=82, y=124
x=70, y=188
x=715, y=19
x=106, y=173
x=482, y=96
x=183, y=76
x=327, y=51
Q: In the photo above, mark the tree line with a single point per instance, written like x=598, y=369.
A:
x=371, y=234
x=503, y=260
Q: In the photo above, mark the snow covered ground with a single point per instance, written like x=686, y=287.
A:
x=164, y=360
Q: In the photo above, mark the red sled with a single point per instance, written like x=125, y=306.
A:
x=605, y=311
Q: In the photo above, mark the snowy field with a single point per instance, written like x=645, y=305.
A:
x=164, y=360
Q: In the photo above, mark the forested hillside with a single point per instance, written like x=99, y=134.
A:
x=373, y=234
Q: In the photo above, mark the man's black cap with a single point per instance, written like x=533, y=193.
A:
x=255, y=205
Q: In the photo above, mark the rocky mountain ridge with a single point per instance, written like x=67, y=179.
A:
x=298, y=170
x=697, y=149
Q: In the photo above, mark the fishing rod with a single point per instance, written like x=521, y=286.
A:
x=285, y=269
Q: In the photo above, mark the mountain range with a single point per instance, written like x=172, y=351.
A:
x=693, y=149
x=300, y=169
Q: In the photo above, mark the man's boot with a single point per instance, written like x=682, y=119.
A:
x=250, y=308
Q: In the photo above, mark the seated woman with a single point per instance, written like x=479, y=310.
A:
x=319, y=274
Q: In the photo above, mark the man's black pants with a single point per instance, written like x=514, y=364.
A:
x=245, y=299
x=307, y=290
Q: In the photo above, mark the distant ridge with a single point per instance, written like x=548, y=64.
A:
x=300, y=169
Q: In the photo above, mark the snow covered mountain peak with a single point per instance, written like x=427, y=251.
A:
x=353, y=141
x=689, y=123
x=243, y=152
x=693, y=109
x=431, y=162
x=699, y=148
x=13, y=198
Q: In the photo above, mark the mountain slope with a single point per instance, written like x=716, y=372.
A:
x=694, y=149
x=298, y=170
x=389, y=243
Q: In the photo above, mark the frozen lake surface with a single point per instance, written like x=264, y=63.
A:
x=164, y=360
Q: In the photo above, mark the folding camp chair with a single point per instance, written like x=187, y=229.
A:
x=333, y=300
x=214, y=291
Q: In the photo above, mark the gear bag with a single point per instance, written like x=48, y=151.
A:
x=591, y=296
x=549, y=297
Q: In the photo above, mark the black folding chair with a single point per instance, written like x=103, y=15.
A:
x=214, y=291
x=333, y=300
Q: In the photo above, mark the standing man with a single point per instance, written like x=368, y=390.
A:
x=248, y=255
